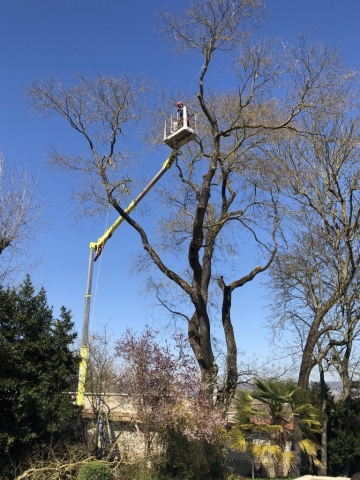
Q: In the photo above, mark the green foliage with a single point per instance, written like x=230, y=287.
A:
x=344, y=437
x=137, y=473
x=267, y=420
x=192, y=458
x=96, y=470
x=181, y=458
x=343, y=430
x=36, y=363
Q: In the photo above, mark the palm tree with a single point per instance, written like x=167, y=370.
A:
x=270, y=420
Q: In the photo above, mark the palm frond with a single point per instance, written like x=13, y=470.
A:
x=309, y=447
x=263, y=451
x=271, y=417
x=237, y=440
x=289, y=458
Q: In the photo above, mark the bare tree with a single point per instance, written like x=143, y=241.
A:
x=223, y=194
x=101, y=378
x=318, y=264
x=99, y=109
x=343, y=356
x=20, y=209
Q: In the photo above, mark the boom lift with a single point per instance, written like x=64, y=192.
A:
x=177, y=130
x=175, y=135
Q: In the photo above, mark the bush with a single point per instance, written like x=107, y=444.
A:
x=344, y=437
x=95, y=471
x=192, y=459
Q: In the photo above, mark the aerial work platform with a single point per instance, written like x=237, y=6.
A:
x=180, y=128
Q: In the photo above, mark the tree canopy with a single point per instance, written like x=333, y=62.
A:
x=37, y=364
x=223, y=193
x=315, y=275
x=20, y=208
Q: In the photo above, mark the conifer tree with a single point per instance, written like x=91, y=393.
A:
x=36, y=365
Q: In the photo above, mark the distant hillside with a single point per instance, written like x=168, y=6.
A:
x=335, y=388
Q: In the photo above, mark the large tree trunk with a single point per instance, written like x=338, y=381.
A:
x=229, y=388
x=344, y=365
x=200, y=341
x=315, y=333
x=307, y=362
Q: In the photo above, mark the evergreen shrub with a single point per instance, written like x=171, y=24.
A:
x=95, y=471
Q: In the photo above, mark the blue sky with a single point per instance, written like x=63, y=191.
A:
x=43, y=38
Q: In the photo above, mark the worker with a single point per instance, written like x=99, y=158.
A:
x=180, y=112
x=180, y=107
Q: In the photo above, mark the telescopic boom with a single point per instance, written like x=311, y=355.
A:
x=95, y=251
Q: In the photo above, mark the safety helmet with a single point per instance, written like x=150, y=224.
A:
x=179, y=104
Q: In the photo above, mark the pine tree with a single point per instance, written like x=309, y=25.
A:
x=36, y=365
x=344, y=437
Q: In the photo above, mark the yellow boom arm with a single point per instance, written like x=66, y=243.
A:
x=97, y=247
x=166, y=165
